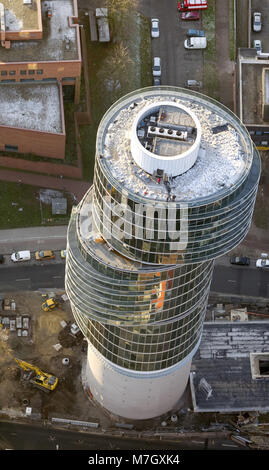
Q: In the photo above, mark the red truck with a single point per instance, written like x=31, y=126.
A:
x=187, y=5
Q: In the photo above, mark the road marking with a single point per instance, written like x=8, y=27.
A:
x=231, y=280
x=26, y=279
x=57, y=277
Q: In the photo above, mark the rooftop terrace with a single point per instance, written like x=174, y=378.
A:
x=60, y=41
x=222, y=160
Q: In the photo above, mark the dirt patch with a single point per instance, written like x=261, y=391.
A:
x=69, y=399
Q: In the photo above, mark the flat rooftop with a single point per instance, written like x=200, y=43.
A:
x=221, y=377
x=59, y=42
x=20, y=16
x=252, y=85
x=223, y=159
x=31, y=106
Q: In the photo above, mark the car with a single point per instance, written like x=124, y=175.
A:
x=156, y=81
x=21, y=256
x=156, y=70
x=257, y=44
x=155, y=32
x=262, y=263
x=195, y=43
x=193, y=84
x=190, y=15
x=63, y=253
x=240, y=260
x=257, y=22
x=42, y=255
x=195, y=33
x=2, y=259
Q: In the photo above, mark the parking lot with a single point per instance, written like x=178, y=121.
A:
x=263, y=35
x=178, y=64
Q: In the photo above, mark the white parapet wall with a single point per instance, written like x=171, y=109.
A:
x=171, y=165
x=135, y=395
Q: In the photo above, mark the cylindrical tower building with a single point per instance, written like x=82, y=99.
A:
x=176, y=176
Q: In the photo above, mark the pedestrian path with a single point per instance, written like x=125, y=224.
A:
x=225, y=65
x=76, y=187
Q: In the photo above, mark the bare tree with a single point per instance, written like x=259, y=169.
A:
x=117, y=69
x=118, y=13
x=120, y=6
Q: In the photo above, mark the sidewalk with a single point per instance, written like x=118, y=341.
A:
x=225, y=66
x=33, y=238
x=76, y=187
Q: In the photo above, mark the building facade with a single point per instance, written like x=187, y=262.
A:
x=40, y=46
x=176, y=176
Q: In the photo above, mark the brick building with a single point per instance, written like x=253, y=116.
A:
x=40, y=45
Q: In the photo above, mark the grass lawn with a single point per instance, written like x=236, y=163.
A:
x=15, y=196
x=20, y=207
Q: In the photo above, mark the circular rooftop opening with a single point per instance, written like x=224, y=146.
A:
x=165, y=138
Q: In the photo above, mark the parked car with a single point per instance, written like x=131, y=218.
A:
x=240, y=260
x=257, y=44
x=195, y=33
x=155, y=32
x=257, y=22
x=193, y=84
x=42, y=255
x=262, y=263
x=63, y=253
x=156, y=70
x=190, y=15
x=156, y=81
x=195, y=43
x=21, y=256
x=2, y=259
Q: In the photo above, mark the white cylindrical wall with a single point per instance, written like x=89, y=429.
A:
x=171, y=165
x=135, y=395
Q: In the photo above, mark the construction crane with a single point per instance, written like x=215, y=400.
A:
x=37, y=377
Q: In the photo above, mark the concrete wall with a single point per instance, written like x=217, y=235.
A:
x=135, y=395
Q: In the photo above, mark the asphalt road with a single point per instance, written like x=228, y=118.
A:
x=32, y=277
x=237, y=280
x=178, y=64
x=16, y=436
x=240, y=280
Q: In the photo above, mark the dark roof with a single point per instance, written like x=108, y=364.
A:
x=59, y=206
x=223, y=361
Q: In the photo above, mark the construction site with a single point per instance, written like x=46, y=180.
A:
x=37, y=329
x=42, y=358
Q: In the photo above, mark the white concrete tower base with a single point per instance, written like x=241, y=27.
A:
x=135, y=395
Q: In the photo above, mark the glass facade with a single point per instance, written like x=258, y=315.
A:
x=138, y=287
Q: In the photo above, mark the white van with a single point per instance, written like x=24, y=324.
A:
x=195, y=43
x=21, y=256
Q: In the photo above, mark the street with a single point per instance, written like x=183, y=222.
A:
x=19, y=436
x=227, y=279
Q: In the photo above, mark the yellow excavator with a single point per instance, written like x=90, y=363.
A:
x=37, y=377
x=50, y=304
